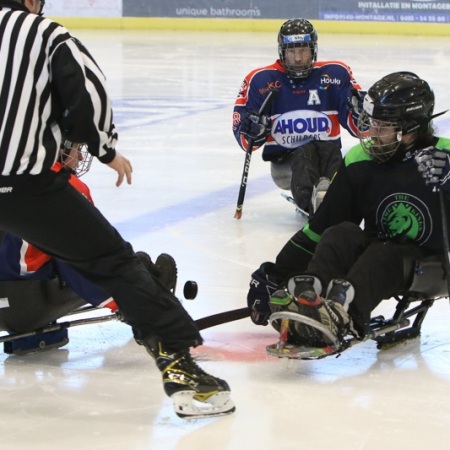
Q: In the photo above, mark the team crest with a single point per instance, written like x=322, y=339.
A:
x=405, y=217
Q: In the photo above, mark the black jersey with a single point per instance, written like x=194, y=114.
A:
x=50, y=88
x=390, y=201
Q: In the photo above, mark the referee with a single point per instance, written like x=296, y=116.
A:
x=52, y=89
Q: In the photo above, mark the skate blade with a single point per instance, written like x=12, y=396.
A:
x=299, y=352
x=187, y=407
x=291, y=200
x=333, y=339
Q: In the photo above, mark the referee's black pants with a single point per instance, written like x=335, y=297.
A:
x=48, y=212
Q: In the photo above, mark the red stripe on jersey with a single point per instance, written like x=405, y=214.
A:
x=33, y=259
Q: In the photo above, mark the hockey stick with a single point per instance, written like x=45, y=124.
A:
x=205, y=322
x=442, y=201
x=60, y=326
x=221, y=318
x=248, y=156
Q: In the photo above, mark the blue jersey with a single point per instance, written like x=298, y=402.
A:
x=313, y=108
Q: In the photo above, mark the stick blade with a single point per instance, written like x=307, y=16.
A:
x=238, y=214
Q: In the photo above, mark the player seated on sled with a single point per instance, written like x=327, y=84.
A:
x=381, y=215
x=35, y=289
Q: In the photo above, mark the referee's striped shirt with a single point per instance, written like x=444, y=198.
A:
x=50, y=89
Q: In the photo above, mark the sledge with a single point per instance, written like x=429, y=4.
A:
x=429, y=284
x=36, y=315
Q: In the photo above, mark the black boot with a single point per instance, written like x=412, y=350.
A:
x=164, y=269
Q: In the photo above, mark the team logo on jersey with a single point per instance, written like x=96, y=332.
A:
x=294, y=128
x=326, y=81
x=405, y=217
x=270, y=86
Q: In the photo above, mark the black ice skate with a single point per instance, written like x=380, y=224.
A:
x=195, y=393
x=163, y=269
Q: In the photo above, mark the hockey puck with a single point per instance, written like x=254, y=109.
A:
x=190, y=290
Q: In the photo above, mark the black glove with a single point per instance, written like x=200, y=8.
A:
x=434, y=166
x=256, y=127
x=261, y=289
x=355, y=102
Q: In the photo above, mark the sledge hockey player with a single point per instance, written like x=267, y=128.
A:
x=333, y=273
x=302, y=128
x=53, y=288
x=55, y=88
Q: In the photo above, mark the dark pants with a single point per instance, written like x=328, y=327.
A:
x=309, y=163
x=49, y=213
x=377, y=270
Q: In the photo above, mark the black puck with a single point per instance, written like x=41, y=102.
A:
x=190, y=290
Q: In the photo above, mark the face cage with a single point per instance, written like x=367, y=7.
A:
x=379, y=139
x=296, y=73
x=82, y=157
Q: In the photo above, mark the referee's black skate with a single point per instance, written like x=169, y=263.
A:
x=195, y=393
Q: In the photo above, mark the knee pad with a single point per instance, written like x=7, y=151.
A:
x=281, y=174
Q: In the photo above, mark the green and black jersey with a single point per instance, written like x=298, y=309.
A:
x=389, y=201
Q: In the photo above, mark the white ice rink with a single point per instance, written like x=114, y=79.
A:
x=173, y=94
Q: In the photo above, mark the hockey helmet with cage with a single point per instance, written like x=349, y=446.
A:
x=297, y=33
x=400, y=102
x=75, y=158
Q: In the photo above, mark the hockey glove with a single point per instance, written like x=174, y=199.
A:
x=256, y=128
x=261, y=289
x=434, y=165
x=355, y=102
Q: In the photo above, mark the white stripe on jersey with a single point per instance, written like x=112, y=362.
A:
x=30, y=127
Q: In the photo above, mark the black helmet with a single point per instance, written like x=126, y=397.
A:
x=297, y=33
x=401, y=98
x=398, y=104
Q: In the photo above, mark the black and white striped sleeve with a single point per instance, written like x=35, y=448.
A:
x=79, y=85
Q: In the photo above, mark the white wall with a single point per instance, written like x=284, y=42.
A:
x=83, y=8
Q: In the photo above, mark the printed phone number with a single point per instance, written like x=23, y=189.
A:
x=422, y=18
x=386, y=17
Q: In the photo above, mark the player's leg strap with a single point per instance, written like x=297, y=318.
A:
x=26, y=305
